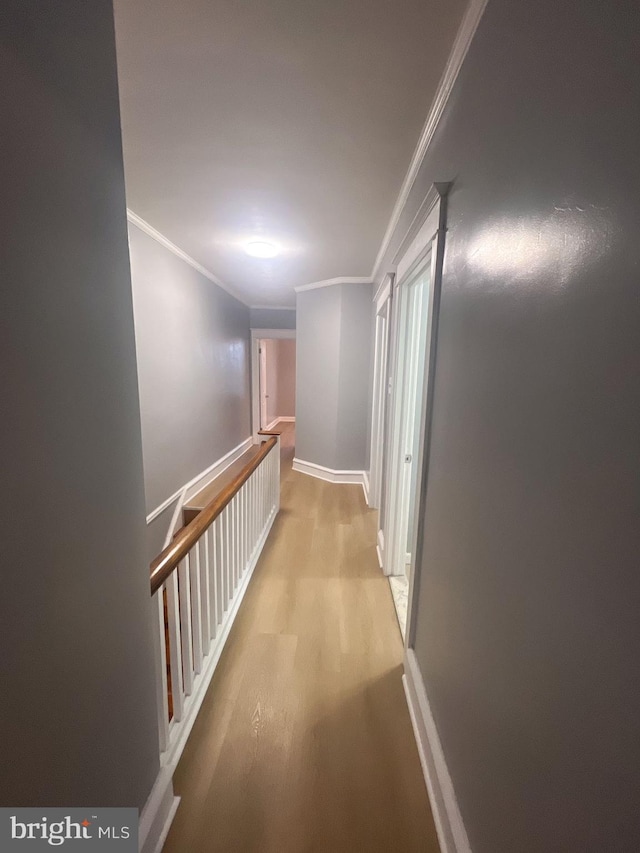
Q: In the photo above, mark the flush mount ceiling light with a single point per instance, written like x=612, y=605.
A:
x=261, y=249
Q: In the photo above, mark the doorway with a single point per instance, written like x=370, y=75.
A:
x=273, y=378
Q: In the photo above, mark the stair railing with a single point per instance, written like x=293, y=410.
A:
x=197, y=584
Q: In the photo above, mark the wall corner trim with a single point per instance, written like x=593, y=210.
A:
x=152, y=232
x=366, y=487
x=329, y=282
x=158, y=813
x=380, y=548
x=328, y=474
x=458, y=53
x=449, y=825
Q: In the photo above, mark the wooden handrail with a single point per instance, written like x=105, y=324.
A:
x=170, y=558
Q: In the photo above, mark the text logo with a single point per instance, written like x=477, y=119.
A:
x=70, y=829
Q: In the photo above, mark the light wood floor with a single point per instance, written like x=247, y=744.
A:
x=304, y=743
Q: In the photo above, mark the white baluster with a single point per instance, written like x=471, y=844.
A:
x=247, y=525
x=213, y=581
x=243, y=529
x=270, y=475
x=227, y=557
x=256, y=532
x=262, y=500
x=222, y=532
x=217, y=541
x=175, y=646
x=162, y=685
x=240, y=532
x=265, y=491
x=184, y=589
x=234, y=541
x=250, y=516
x=196, y=606
x=275, y=477
x=247, y=513
x=254, y=509
x=205, y=592
x=239, y=537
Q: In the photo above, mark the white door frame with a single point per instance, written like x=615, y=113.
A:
x=256, y=336
x=382, y=301
x=425, y=238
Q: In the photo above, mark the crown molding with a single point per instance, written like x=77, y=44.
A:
x=329, y=282
x=143, y=225
x=459, y=50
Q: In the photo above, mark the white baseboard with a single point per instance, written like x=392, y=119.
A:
x=328, y=474
x=365, y=487
x=194, y=701
x=444, y=805
x=158, y=813
x=280, y=420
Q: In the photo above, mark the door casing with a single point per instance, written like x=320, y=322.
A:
x=256, y=336
x=423, y=243
x=382, y=329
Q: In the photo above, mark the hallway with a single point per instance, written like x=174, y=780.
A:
x=304, y=741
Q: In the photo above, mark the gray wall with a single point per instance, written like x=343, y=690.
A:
x=273, y=318
x=77, y=717
x=333, y=352
x=354, y=412
x=528, y=633
x=371, y=368
x=317, y=372
x=192, y=341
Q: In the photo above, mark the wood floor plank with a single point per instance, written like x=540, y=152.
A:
x=304, y=743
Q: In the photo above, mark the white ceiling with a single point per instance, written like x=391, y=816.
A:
x=294, y=120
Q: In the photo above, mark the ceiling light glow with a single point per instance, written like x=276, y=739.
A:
x=261, y=249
